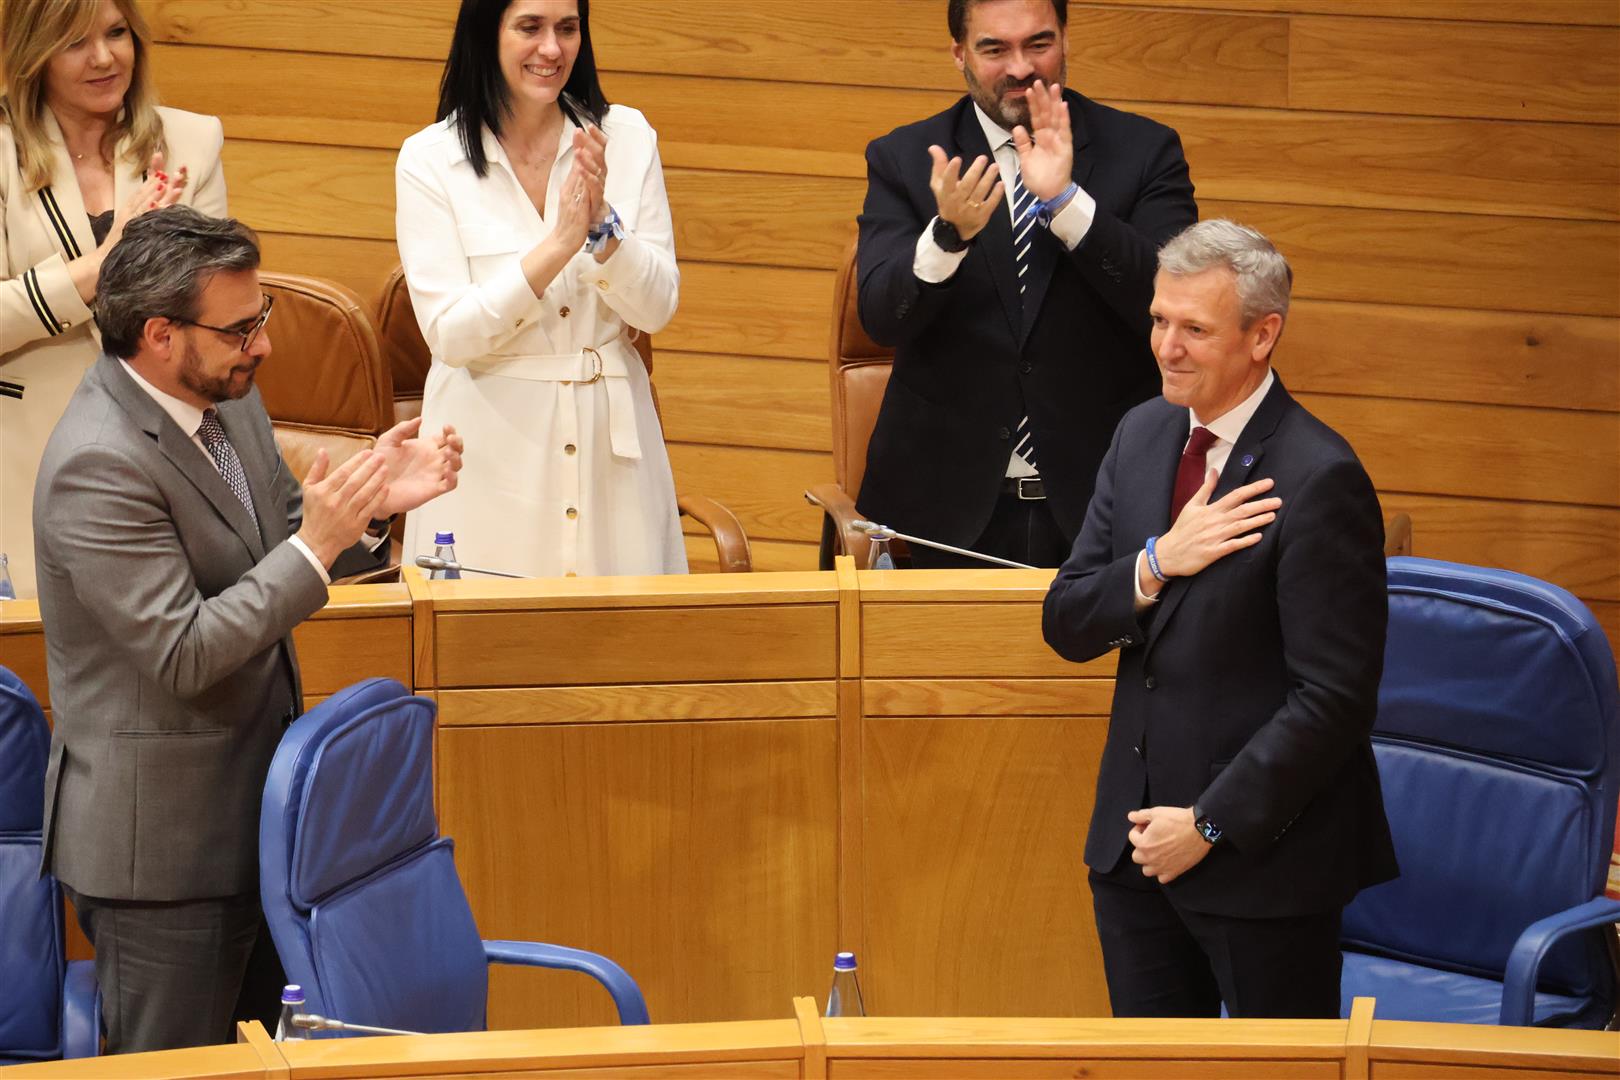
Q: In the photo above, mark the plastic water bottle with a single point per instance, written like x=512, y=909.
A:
x=444, y=547
x=878, y=556
x=292, y=1001
x=8, y=591
x=844, y=999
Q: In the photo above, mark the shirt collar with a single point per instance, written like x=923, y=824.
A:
x=185, y=415
x=994, y=134
x=1231, y=424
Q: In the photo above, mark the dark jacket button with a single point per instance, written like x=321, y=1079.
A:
x=1151, y=682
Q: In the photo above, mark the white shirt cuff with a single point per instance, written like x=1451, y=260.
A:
x=326, y=579
x=933, y=263
x=1071, y=223
x=1142, y=599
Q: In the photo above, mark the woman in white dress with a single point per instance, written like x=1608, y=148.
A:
x=536, y=238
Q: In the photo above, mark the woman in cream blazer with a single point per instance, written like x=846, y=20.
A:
x=48, y=338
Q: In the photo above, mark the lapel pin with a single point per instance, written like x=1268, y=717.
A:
x=1248, y=459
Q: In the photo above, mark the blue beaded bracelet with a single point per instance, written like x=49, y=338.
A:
x=1153, y=560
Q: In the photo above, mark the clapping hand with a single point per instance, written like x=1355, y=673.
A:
x=964, y=199
x=1045, y=153
x=417, y=467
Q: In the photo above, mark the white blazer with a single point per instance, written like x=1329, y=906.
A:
x=48, y=338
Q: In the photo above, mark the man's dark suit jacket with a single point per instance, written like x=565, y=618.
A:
x=1250, y=688
x=967, y=366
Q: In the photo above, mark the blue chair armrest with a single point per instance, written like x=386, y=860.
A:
x=1524, y=962
x=81, y=1011
x=623, y=989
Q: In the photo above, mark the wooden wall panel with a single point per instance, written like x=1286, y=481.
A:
x=1444, y=175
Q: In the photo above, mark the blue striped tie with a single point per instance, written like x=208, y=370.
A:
x=1024, y=207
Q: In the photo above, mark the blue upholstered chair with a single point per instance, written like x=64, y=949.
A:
x=48, y=1007
x=1498, y=745
x=359, y=889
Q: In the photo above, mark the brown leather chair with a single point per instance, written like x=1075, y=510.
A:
x=325, y=385
x=409, y=358
x=859, y=372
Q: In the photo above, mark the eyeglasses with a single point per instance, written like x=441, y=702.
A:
x=248, y=334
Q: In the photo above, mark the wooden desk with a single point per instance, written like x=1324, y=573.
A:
x=646, y=767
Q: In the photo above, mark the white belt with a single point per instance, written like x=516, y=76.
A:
x=606, y=365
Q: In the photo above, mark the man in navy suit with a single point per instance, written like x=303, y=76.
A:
x=1233, y=554
x=1014, y=290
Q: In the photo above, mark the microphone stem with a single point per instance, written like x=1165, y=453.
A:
x=957, y=550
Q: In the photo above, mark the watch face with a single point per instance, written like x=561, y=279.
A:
x=946, y=236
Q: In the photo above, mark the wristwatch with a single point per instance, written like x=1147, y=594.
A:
x=946, y=236
x=1206, y=828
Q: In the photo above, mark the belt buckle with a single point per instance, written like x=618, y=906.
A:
x=1034, y=483
x=596, y=366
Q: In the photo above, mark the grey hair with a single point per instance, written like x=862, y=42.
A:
x=159, y=267
x=1264, y=279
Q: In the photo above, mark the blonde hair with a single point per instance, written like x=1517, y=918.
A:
x=34, y=31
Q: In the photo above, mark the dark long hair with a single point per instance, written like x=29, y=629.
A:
x=474, y=90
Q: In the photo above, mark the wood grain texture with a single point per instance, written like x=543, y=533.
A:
x=334, y=653
x=764, y=488
x=972, y=875
x=698, y=855
x=948, y=640
x=770, y=556
x=630, y=645
x=989, y=1067
x=1454, y=69
x=987, y=697
x=743, y=401
x=637, y=704
x=1556, y=12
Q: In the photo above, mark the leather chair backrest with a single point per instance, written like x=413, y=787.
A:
x=298, y=443
x=32, y=961
x=326, y=368
x=859, y=372
x=359, y=890
x=407, y=352
x=1498, y=745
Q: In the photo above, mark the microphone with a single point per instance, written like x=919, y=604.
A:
x=882, y=532
x=313, y=1022
x=433, y=562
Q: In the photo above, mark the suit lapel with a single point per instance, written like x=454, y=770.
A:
x=1047, y=249
x=61, y=206
x=182, y=453
x=993, y=245
x=1238, y=470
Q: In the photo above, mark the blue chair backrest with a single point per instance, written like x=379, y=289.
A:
x=359, y=890
x=32, y=963
x=1498, y=744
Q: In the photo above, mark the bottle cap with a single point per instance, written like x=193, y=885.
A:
x=292, y=994
x=441, y=539
x=844, y=961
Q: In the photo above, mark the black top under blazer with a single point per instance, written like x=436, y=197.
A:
x=1250, y=689
x=967, y=366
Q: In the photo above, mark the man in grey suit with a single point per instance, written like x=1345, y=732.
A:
x=176, y=553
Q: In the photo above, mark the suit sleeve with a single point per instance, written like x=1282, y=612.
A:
x=1090, y=607
x=1333, y=610
x=895, y=305
x=1119, y=255
x=643, y=280
x=38, y=301
x=103, y=512
x=209, y=195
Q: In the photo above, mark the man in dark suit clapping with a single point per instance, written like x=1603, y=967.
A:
x=1006, y=252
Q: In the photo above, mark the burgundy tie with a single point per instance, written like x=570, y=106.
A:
x=1190, y=476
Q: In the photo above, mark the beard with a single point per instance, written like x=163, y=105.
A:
x=216, y=388
x=1009, y=113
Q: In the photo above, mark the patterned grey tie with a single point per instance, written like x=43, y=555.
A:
x=1024, y=207
x=225, y=459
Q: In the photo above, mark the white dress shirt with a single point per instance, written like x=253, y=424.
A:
x=934, y=264
x=189, y=418
x=1226, y=428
